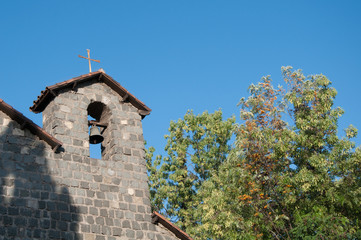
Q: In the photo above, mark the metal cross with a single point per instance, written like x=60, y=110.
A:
x=90, y=67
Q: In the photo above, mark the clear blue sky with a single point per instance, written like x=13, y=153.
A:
x=180, y=55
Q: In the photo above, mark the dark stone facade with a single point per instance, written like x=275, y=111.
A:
x=67, y=194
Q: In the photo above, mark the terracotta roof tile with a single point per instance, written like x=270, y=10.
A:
x=158, y=218
x=50, y=92
x=27, y=123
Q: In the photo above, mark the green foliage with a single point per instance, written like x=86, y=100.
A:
x=294, y=179
x=196, y=146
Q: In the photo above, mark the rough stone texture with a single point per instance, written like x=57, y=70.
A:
x=68, y=195
x=164, y=232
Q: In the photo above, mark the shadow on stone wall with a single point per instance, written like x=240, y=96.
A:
x=32, y=205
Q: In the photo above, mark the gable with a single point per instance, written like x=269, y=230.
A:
x=51, y=92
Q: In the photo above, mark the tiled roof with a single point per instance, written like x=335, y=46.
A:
x=158, y=218
x=27, y=123
x=50, y=92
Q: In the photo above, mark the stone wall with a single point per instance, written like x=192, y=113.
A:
x=32, y=204
x=68, y=195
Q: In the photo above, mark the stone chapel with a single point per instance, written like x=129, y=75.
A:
x=49, y=186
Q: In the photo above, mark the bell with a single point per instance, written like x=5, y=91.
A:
x=95, y=137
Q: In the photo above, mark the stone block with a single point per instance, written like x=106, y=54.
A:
x=135, y=225
x=88, y=236
x=129, y=215
x=88, y=201
x=113, y=188
x=79, y=200
x=7, y=220
x=90, y=219
x=104, y=188
x=116, y=181
x=65, y=109
x=96, y=229
x=62, y=207
x=128, y=199
x=123, y=206
x=106, y=204
x=13, y=211
x=139, y=217
x=54, y=234
x=100, y=195
x=83, y=209
x=139, y=234
x=63, y=197
x=74, y=227
x=117, y=231
x=130, y=233
x=81, y=192
x=144, y=226
x=99, y=237
x=85, y=228
x=98, y=203
x=12, y=231
x=55, y=215
x=78, y=175
x=66, y=217
x=141, y=209
x=20, y=202
x=126, y=224
x=109, y=221
x=90, y=193
x=87, y=177
x=151, y=235
x=119, y=214
x=103, y=213
x=99, y=220
x=45, y=224
x=127, y=151
x=98, y=178
x=63, y=226
x=132, y=207
x=138, y=193
x=94, y=211
x=3, y=210
x=77, y=158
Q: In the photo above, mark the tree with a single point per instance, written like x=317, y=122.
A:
x=324, y=197
x=196, y=145
x=289, y=174
x=247, y=182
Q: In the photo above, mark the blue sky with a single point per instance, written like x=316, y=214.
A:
x=180, y=55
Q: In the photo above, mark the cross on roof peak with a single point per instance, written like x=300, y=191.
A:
x=90, y=67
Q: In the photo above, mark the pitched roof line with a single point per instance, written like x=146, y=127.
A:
x=50, y=92
x=27, y=123
x=159, y=218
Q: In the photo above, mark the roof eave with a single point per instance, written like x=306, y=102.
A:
x=27, y=123
x=51, y=92
x=159, y=218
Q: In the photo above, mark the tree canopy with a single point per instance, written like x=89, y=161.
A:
x=287, y=174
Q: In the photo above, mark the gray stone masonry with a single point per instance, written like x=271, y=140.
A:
x=68, y=195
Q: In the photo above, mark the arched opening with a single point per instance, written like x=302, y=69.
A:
x=97, y=126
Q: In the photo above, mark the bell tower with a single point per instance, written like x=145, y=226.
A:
x=116, y=115
x=111, y=191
